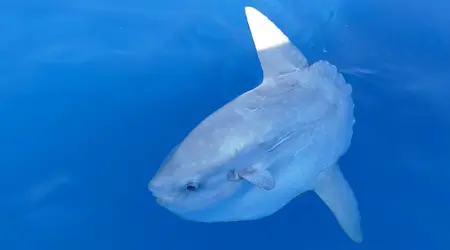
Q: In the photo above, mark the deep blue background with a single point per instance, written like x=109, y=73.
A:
x=94, y=94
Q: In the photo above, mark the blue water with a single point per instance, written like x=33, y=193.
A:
x=94, y=94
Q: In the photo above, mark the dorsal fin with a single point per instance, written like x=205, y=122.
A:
x=276, y=53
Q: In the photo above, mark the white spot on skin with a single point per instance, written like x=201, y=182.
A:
x=231, y=144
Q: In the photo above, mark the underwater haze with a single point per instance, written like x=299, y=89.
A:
x=95, y=94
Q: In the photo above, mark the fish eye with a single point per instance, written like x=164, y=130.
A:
x=192, y=186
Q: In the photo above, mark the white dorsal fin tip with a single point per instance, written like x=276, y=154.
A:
x=264, y=32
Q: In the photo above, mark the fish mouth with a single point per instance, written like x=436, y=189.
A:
x=154, y=193
x=161, y=202
x=164, y=200
x=153, y=190
x=158, y=198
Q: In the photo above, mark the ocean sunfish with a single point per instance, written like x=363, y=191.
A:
x=252, y=156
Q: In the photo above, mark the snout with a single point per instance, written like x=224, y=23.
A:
x=162, y=198
x=151, y=186
x=153, y=189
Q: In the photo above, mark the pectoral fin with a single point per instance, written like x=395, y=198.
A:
x=259, y=177
x=335, y=191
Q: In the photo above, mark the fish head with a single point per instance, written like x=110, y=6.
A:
x=189, y=185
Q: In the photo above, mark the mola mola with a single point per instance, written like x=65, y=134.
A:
x=255, y=154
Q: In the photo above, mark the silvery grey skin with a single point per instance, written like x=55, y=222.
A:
x=255, y=154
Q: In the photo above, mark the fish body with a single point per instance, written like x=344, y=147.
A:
x=251, y=157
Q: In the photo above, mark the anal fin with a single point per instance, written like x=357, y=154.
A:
x=335, y=191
